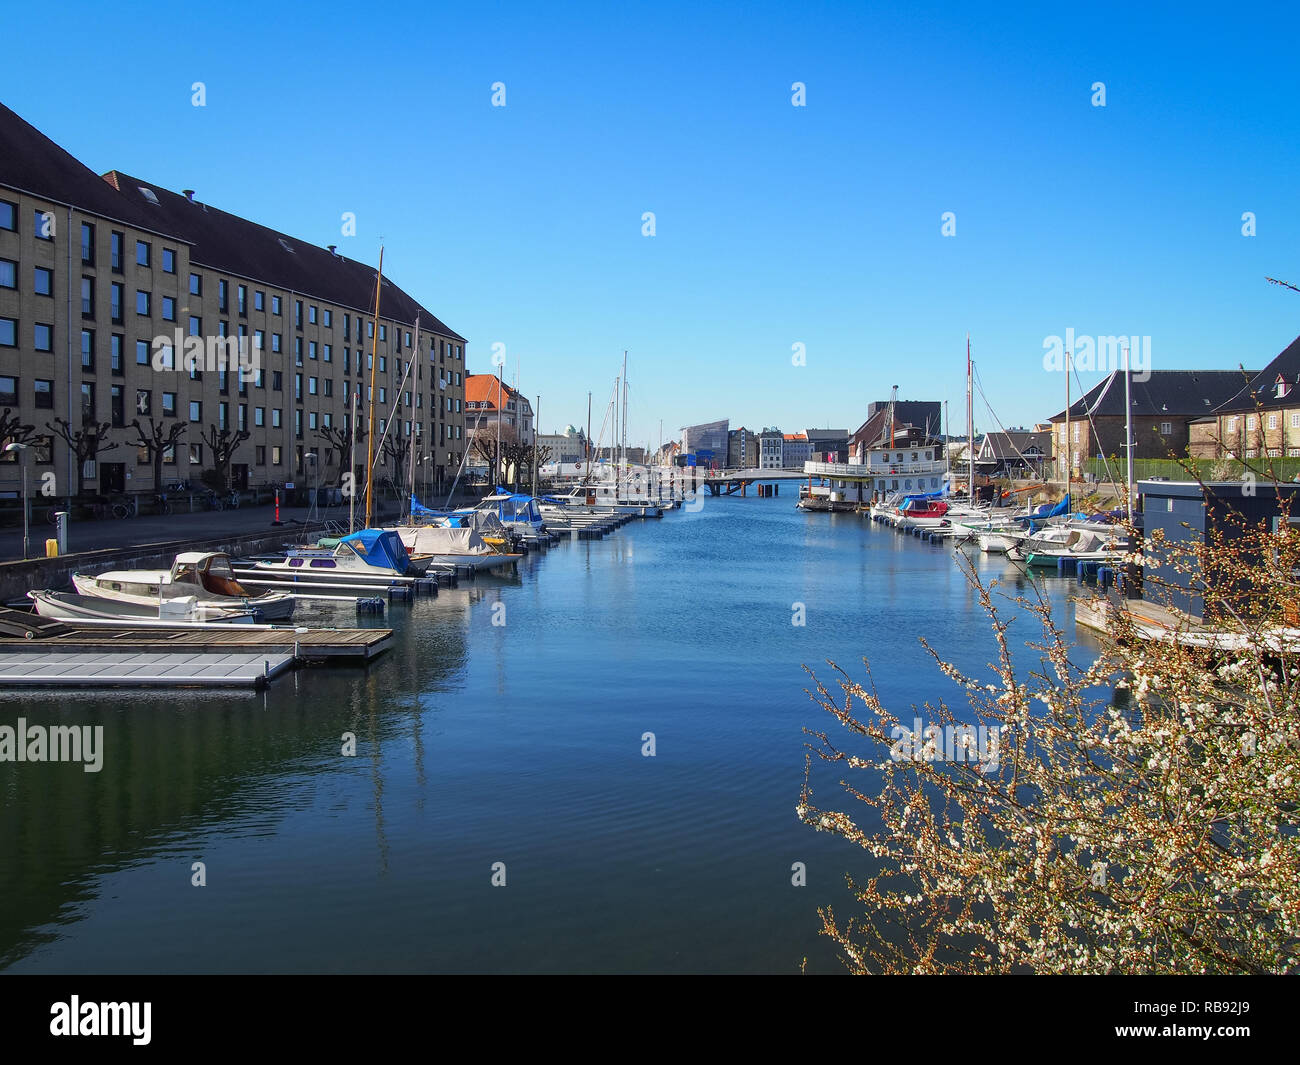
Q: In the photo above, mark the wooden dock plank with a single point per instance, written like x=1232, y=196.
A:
x=310, y=643
x=47, y=668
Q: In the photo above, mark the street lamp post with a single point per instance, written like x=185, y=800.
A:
x=21, y=449
x=315, y=491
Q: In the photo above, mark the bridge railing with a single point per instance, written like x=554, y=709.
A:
x=852, y=470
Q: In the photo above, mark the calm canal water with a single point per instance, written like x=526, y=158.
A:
x=518, y=743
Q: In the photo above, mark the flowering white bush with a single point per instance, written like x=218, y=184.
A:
x=1142, y=815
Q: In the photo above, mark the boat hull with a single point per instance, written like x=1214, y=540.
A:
x=69, y=606
x=272, y=606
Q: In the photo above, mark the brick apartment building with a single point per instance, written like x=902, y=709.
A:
x=100, y=276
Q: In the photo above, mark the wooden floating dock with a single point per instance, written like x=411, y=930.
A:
x=29, y=633
x=77, y=669
x=1155, y=622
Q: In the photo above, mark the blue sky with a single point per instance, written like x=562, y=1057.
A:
x=775, y=224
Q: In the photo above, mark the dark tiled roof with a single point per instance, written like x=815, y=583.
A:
x=869, y=431
x=32, y=163
x=234, y=245
x=875, y=433
x=1005, y=445
x=1263, y=385
x=1180, y=393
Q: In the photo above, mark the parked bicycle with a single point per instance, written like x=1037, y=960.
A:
x=164, y=507
x=215, y=502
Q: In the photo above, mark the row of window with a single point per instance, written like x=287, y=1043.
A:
x=42, y=453
x=43, y=340
x=1252, y=422
x=43, y=398
x=44, y=335
x=44, y=228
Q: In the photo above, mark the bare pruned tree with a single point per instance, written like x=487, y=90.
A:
x=340, y=442
x=156, y=442
x=223, y=443
x=483, y=443
x=13, y=430
x=86, y=442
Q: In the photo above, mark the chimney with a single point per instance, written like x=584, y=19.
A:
x=189, y=194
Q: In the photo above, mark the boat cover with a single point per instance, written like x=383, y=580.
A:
x=441, y=540
x=379, y=547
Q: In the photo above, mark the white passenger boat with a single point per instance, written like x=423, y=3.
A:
x=205, y=577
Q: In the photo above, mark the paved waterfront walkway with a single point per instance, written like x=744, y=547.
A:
x=91, y=535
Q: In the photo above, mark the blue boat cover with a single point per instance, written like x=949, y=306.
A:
x=908, y=500
x=419, y=510
x=524, y=508
x=379, y=547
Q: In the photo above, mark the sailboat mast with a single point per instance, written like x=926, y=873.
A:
x=411, y=459
x=947, y=441
x=1128, y=434
x=586, y=473
x=970, y=426
x=622, y=462
x=370, y=421
x=352, y=459
x=1067, y=423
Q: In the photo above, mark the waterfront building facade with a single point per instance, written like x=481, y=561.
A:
x=795, y=450
x=123, y=303
x=707, y=442
x=828, y=445
x=742, y=449
x=770, y=445
x=1015, y=453
x=1261, y=419
x=902, y=458
x=488, y=400
x=569, y=446
x=1165, y=406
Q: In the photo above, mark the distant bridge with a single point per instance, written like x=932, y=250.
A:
x=729, y=482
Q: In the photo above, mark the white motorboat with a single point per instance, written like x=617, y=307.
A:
x=445, y=545
x=1083, y=541
x=607, y=497
x=369, y=555
x=998, y=542
x=176, y=612
x=206, y=577
x=516, y=511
